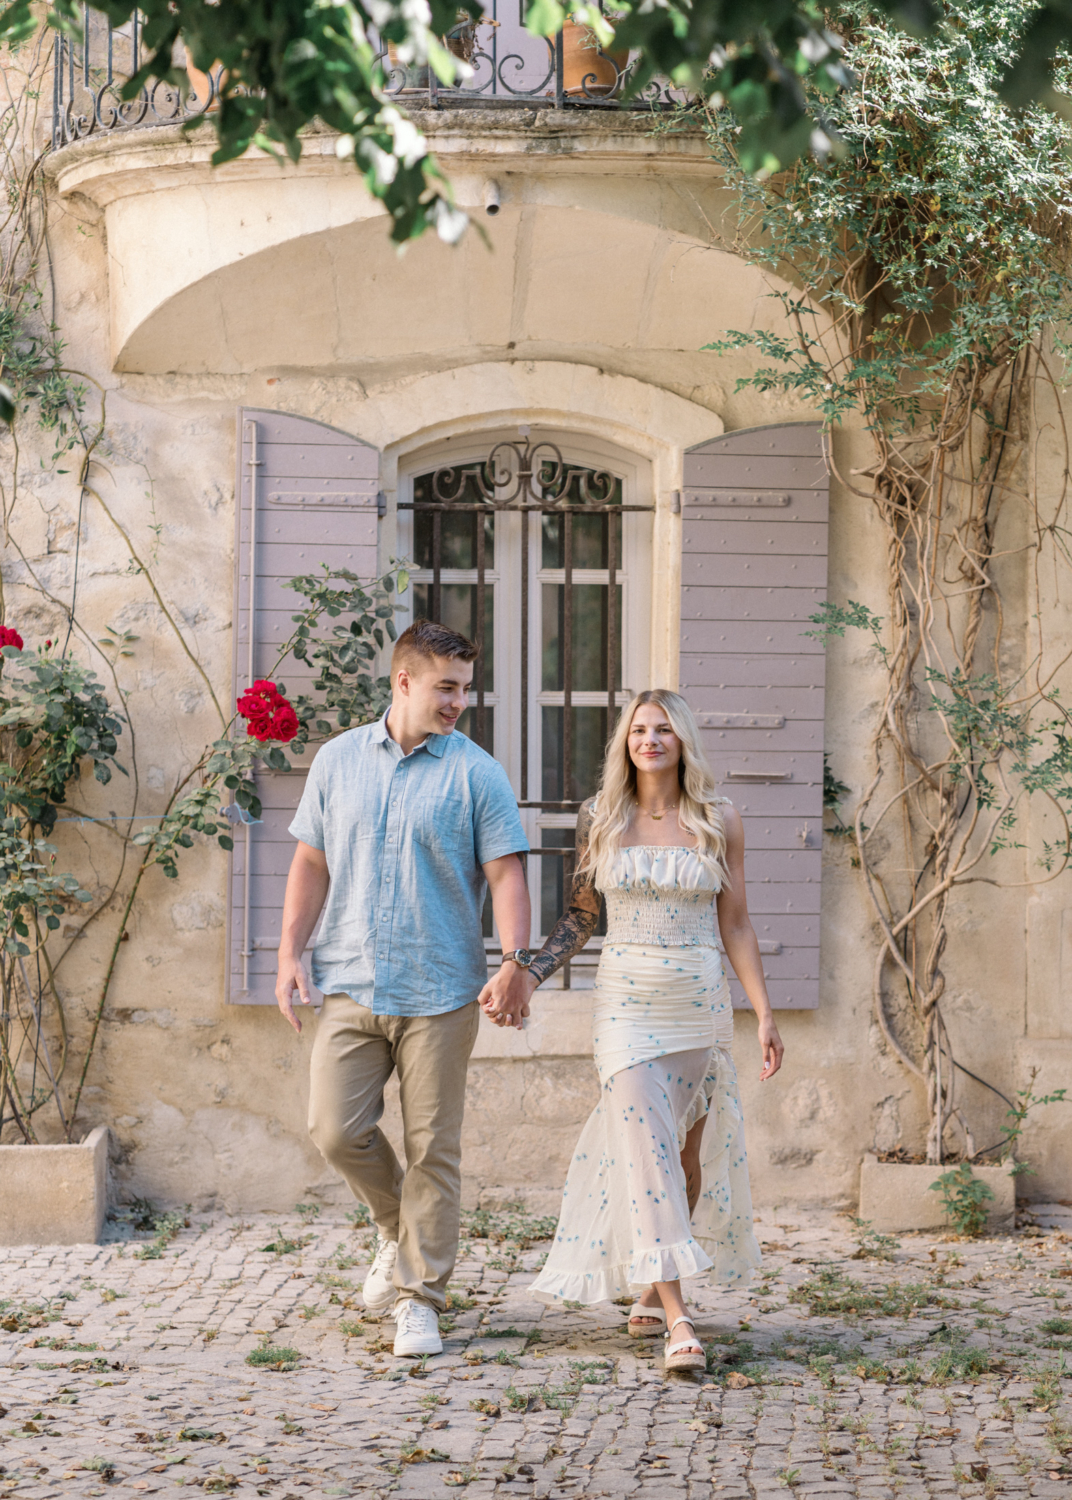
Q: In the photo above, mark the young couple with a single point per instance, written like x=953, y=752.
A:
x=403, y=826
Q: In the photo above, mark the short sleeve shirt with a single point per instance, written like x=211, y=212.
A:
x=405, y=838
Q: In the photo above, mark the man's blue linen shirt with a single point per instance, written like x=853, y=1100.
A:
x=405, y=838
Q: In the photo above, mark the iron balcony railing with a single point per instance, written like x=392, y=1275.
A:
x=507, y=65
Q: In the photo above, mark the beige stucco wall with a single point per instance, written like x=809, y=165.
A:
x=186, y=293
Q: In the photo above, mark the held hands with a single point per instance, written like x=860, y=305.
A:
x=505, y=998
x=771, y=1046
x=291, y=977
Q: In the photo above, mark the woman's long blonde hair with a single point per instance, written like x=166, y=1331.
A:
x=698, y=809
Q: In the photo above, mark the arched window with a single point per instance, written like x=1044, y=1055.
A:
x=537, y=545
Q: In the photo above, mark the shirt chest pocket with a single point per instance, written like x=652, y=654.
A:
x=444, y=824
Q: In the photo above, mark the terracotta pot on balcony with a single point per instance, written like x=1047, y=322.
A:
x=204, y=86
x=460, y=42
x=587, y=71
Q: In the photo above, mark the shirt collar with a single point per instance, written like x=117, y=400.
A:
x=435, y=744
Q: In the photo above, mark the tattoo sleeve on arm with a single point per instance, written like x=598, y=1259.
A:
x=577, y=924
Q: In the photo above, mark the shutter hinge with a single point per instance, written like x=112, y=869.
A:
x=675, y=503
x=381, y=504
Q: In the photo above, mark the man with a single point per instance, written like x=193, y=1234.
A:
x=402, y=828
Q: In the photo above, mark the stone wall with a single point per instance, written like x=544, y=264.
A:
x=186, y=293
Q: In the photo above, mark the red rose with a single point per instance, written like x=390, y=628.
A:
x=284, y=722
x=257, y=729
x=10, y=637
x=268, y=714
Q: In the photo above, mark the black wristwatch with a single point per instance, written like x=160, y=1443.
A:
x=520, y=956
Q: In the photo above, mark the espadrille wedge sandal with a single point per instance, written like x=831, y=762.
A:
x=686, y=1354
x=651, y=1330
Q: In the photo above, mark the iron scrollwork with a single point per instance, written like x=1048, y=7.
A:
x=518, y=474
x=501, y=61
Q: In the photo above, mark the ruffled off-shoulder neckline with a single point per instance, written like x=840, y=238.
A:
x=663, y=867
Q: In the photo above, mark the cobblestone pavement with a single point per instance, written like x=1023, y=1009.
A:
x=125, y=1367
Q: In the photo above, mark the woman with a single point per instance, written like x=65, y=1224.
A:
x=658, y=845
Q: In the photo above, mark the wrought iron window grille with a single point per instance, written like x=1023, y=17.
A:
x=531, y=476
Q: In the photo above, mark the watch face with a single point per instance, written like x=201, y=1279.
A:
x=524, y=957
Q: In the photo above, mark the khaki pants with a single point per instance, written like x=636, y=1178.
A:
x=354, y=1054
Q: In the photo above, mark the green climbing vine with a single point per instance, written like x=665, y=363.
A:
x=66, y=719
x=924, y=294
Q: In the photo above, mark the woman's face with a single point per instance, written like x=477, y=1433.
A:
x=653, y=745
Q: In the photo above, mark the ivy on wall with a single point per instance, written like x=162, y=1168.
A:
x=63, y=719
x=928, y=295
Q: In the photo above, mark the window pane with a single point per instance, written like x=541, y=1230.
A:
x=553, y=884
x=590, y=533
x=458, y=611
x=467, y=726
x=458, y=532
x=589, y=742
x=589, y=637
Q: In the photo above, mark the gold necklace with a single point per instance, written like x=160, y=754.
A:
x=657, y=817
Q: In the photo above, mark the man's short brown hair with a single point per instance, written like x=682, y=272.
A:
x=424, y=640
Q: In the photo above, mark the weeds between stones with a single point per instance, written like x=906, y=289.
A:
x=960, y=1364
x=512, y=1224
x=457, y=1477
x=21, y=1317
x=281, y=1245
x=270, y=1356
x=833, y=1294
x=143, y=1217
x=870, y=1245
x=105, y=1467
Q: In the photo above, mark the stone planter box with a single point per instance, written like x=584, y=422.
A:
x=896, y=1197
x=54, y=1195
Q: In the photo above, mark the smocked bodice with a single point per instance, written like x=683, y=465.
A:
x=661, y=895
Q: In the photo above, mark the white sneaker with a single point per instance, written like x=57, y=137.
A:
x=379, y=1290
x=417, y=1329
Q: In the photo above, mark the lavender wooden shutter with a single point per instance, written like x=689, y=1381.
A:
x=307, y=495
x=754, y=546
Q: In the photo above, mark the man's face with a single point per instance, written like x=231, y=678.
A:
x=436, y=693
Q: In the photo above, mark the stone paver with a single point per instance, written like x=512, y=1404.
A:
x=937, y=1373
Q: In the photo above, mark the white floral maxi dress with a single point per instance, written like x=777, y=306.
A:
x=663, y=1030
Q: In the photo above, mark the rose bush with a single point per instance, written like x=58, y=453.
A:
x=268, y=714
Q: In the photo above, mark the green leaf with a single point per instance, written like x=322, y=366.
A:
x=544, y=17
